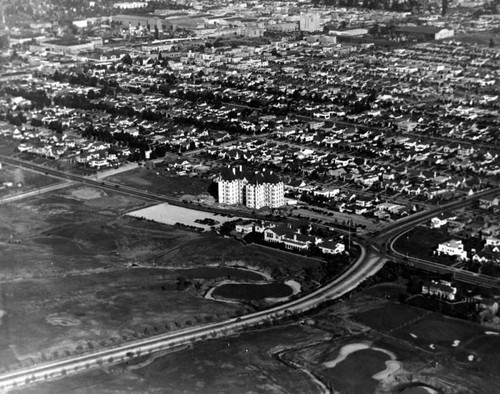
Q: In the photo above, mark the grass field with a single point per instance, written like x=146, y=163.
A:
x=27, y=179
x=389, y=316
x=421, y=242
x=486, y=348
x=437, y=332
x=159, y=182
x=480, y=38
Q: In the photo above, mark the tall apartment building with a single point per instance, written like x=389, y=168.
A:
x=309, y=21
x=238, y=185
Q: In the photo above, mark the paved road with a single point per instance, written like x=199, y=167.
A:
x=34, y=192
x=458, y=274
x=371, y=260
x=384, y=242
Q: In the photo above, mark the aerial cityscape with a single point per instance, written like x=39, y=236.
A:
x=250, y=196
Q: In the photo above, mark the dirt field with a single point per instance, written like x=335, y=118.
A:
x=27, y=180
x=157, y=181
x=389, y=316
x=480, y=38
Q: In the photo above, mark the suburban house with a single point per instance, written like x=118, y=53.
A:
x=331, y=246
x=488, y=202
x=441, y=289
x=452, y=248
x=442, y=220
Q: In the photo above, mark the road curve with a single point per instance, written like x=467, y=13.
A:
x=366, y=265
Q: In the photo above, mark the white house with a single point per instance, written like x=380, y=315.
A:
x=452, y=248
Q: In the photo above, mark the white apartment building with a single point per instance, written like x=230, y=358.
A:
x=309, y=21
x=238, y=185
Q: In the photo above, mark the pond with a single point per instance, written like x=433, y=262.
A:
x=417, y=388
x=250, y=291
x=219, y=272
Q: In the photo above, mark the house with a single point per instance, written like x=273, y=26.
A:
x=442, y=289
x=452, y=248
x=328, y=192
x=331, y=247
x=364, y=202
x=290, y=238
x=492, y=241
x=442, y=220
x=489, y=201
x=244, y=228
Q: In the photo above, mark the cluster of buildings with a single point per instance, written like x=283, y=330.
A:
x=293, y=239
x=480, y=224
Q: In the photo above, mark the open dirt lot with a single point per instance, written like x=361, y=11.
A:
x=22, y=180
x=157, y=181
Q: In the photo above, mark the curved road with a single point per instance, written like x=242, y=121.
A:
x=370, y=261
x=367, y=264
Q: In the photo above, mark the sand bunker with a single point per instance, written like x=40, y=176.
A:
x=62, y=320
x=87, y=193
x=392, y=365
x=344, y=352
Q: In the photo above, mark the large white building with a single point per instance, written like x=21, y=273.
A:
x=237, y=185
x=452, y=248
x=309, y=22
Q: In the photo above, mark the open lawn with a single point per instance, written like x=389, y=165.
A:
x=481, y=38
x=421, y=242
x=486, y=349
x=159, y=182
x=438, y=332
x=23, y=180
x=389, y=316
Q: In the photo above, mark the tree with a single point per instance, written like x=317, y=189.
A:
x=127, y=59
x=444, y=7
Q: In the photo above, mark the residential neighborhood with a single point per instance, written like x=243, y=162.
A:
x=260, y=196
